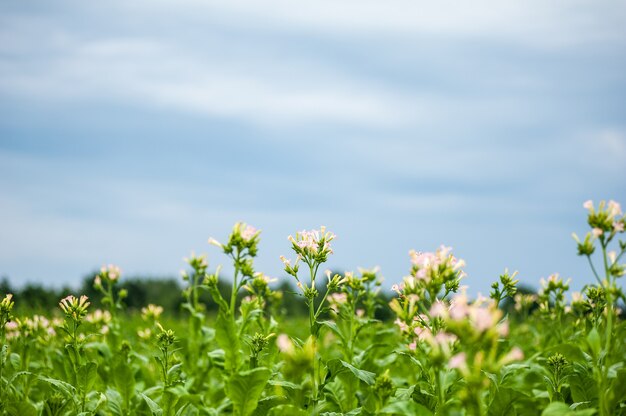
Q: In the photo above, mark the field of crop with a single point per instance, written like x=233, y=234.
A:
x=550, y=353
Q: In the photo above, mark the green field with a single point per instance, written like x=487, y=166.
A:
x=441, y=353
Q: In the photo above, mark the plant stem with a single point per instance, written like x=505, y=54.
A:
x=233, y=294
x=609, y=330
x=313, y=331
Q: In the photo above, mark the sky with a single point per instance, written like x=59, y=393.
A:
x=132, y=131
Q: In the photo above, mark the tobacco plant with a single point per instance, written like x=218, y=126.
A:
x=445, y=353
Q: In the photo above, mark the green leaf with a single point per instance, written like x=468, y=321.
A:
x=583, y=387
x=3, y=354
x=336, y=367
x=406, y=407
x=228, y=339
x=15, y=360
x=287, y=409
x=87, y=375
x=561, y=409
x=23, y=408
x=267, y=403
x=334, y=328
x=124, y=380
x=154, y=408
x=244, y=389
x=503, y=403
x=66, y=388
x=593, y=340
x=114, y=401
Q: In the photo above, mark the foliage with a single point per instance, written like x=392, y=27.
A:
x=232, y=348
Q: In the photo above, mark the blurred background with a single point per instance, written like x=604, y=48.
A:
x=130, y=132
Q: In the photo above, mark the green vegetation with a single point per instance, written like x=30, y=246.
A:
x=332, y=344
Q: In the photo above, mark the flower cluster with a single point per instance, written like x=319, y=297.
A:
x=606, y=219
x=433, y=277
x=259, y=285
x=6, y=306
x=151, y=312
x=551, y=295
x=433, y=272
x=198, y=263
x=243, y=237
x=110, y=274
x=100, y=319
x=477, y=318
x=36, y=326
x=312, y=247
x=74, y=308
x=165, y=338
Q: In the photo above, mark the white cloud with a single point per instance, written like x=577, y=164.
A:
x=149, y=73
x=534, y=23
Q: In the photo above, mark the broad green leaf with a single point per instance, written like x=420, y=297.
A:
x=583, y=387
x=15, y=360
x=66, y=388
x=593, y=340
x=285, y=384
x=228, y=339
x=3, y=354
x=336, y=367
x=561, y=409
x=22, y=408
x=406, y=407
x=287, y=410
x=154, y=408
x=87, y=374
x=334, y=328
x=267, y=403
x=188, y=410
x=503, y=403
x=124, y=379
x=114, y=402
x=244, y=389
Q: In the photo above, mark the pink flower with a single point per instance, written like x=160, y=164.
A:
x=459, y=308
x=618, y=226
x=413, y=346
x=284, y=343
x=614, y=209
x=403, y=327
x=588, y=204
x=423, y=334
x=248, y=233
x=515, y=354
x=458, y=361
x=483, y=320
x=503, y=329
x=438, y=309
x=596, y=232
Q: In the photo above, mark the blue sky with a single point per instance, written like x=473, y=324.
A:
x=130, y=132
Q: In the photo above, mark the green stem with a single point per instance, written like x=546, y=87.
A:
x=233, y=295
x=609, y=330
x=595, y=273
x=439, y=385
x=313, y=331
x=3, y=338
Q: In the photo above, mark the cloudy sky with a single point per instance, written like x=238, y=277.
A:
x=131, y=131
